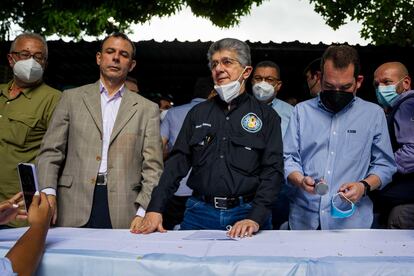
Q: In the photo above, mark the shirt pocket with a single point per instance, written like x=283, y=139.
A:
x=201, y=144
x=355, y=146
x=20, y=126
x=245, y=153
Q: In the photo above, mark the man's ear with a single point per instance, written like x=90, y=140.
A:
x=247, y=72
x=406, y=83
x=132, y=66
x=359, y=80
x=98, y=58
x=11, y=60
x=278, y=86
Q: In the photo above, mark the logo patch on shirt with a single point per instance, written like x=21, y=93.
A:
x=251, y=122
x=351, y=131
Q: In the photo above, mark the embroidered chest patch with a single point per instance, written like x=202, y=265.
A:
x=251, y=122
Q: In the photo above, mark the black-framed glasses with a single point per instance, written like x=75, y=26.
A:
x=225, y=62
x=258, y=78
x=39, y=57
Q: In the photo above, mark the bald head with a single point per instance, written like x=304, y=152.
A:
x=393, y=73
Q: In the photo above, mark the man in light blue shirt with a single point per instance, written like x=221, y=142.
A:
x=266, y=84
x=170, y=128
x=342, y=139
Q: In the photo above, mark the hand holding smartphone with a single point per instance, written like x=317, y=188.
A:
x=28, y=182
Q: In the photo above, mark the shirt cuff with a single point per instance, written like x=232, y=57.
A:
x=6, y=268
x=49, y=191
x=141, y=212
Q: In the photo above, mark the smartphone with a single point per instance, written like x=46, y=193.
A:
x=28, y=182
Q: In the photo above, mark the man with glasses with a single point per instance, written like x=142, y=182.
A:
x=101, y=156
x=26, y=107
x=266, y=84
x=233, y=144
x=341, y=139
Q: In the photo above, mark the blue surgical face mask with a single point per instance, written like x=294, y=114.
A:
x=387, y=94
x=341, y=207
x=380, y=98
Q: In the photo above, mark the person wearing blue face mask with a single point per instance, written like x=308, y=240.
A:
x=342, y=139
x=395, y=203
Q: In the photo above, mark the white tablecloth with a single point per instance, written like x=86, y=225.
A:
x=74, y=251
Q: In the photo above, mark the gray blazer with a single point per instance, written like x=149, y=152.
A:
x=70, y=155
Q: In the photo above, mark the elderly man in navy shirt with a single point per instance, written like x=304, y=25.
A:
x=233, y=144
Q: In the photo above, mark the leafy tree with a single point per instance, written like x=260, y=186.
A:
x=383, y=21
x=75, y=18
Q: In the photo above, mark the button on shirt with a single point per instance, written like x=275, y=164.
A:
x=170, y=128
x=6, y=268
x=232, y=152
x=343, y=147
x=285, y=111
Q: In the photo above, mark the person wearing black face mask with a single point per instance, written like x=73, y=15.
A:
x=341, y=139
x=335, y=100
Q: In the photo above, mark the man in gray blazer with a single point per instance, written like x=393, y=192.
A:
x=101, y=156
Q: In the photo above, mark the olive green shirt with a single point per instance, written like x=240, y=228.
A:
x=23, y=122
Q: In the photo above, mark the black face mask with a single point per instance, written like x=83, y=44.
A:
x=335, y=100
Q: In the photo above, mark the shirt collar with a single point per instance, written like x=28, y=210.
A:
x=25, y=91
x=103, y=90
x=234, y=103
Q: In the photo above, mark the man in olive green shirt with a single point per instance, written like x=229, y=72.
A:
x=26, y=106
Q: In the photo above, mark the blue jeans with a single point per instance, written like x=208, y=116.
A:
x=200, y=215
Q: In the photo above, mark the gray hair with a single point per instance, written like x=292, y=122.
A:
x=32, y=36
x=240, y=47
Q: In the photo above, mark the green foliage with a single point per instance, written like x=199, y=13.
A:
x=383, y=21
x=75, y=18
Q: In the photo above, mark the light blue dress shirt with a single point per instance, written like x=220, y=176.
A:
x=170, y=128
x=343, y=147
x=284, y=110
x=6, y=267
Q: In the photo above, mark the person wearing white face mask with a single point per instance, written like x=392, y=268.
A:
x=395, y=203
x=233, y=144
x=26, y=107
x=266, y=84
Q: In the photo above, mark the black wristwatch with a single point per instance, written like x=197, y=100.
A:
x=367, y=187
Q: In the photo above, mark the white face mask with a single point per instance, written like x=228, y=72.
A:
x=263, y=91
x=28, y=70
x=230, y=91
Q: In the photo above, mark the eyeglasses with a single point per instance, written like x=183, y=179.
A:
x=225, y=62
x=39, y=57
x=258, y=78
